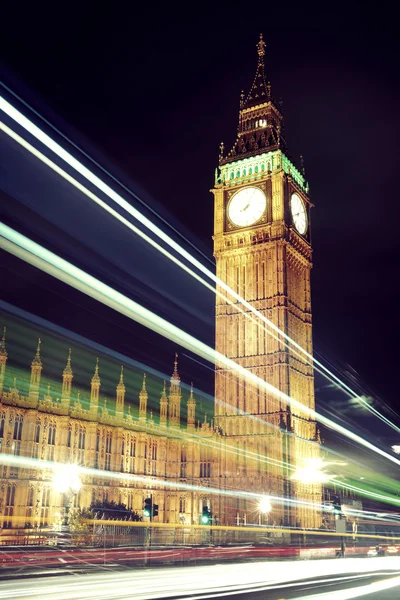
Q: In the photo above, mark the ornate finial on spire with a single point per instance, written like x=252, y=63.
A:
x=261, y=47
x=164, y=388
x=269, y=89
x=68, y=369
x=205, y=418
x=121, y=386
x=36, y=361
x=3, y=351
x=144, y=382
x=221, y=150
x=175, y=375
x=151, y=416
x=241, y=98
x=15, y=383
x=48, y=397
x=96, y=377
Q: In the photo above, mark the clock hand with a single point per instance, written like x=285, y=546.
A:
x=245, y=208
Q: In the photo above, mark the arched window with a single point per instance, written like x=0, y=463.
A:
x=237, y=173
x=262, y=167
x=231, y=176
x=37, y=433
x=250, y=171
x=256, y=169
x=2, y=423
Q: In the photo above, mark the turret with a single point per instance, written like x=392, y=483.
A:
x=95, y=390
x=36, y=370
x=191, y=410
x=3, y=360
x=67, y=383
x=120, y=400
x=143, y=397
x=164, y=406
x=175, y=397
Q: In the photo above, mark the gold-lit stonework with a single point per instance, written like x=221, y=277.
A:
x=105, y=436
x=268, y=263
x=256, y=442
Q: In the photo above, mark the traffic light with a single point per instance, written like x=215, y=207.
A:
x=337, y=505
x=155, y=510
x=206, y=516
x=148, y=506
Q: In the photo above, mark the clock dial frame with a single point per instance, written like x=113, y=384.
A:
x=246, y=207
x=299, y=214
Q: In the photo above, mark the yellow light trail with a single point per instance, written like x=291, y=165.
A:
x=49, y=262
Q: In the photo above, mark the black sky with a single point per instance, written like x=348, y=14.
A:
x=156, y=92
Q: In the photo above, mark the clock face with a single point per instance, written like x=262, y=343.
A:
x=247, y=206
x=299, y=214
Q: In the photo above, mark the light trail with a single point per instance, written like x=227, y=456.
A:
x=35, y=131
x=320, y=368
x=49, y=163
x=208, y=581
x=47, y=261
x=375, y=412
x=149, y=482
x=99, y=166
x=99, y=349
x=356, y=592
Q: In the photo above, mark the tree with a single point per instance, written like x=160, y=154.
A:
x=111, y=510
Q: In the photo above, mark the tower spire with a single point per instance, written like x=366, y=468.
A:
x=95, y=390
x=3, y=360
x=120, y=400
x=143, y=397
x=175, y=396
x=163, y=405
x=37, y=360
x=260, y=121
x=191, y=410
x=260, y=91
x=67, y=383
x=36, y=370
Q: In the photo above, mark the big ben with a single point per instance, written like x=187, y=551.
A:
x=262, y=248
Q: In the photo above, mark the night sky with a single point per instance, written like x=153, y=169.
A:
x=155, y=94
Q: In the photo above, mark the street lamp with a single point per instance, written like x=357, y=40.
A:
x=264, y=507
x=66, y=481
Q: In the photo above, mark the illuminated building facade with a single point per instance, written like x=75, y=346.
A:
x=42, y=427
x=263, y=252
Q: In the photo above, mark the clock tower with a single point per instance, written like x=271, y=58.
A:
x=262, y=248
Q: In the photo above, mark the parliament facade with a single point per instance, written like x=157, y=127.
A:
x=263, y=428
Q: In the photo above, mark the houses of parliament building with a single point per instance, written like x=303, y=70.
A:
x=257, y=438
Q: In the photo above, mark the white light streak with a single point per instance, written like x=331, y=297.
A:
x=35, y=131
x=49, y=262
